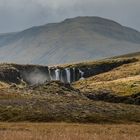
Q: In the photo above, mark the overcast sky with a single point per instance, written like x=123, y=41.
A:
x=17, y=15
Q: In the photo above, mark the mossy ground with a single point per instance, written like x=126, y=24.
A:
x=122, y=81
x=56, y=102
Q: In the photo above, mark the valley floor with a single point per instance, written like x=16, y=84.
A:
x=64, y=131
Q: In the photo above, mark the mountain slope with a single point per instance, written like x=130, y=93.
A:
x=77, y=39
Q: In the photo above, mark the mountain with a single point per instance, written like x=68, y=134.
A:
x=72, y=40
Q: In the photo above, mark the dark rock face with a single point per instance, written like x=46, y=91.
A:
x=10, y=75
x=107, y=96
x=63, y=75
x=34, y=74
x=104, y=67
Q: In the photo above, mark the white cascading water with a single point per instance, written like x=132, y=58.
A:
x=68, y=74
x=82, y=74
x=51, y=78
x=57, y=74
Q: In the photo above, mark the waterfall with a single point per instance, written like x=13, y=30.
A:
x=53, y=75
x=51, y=78
x=68, y=75
x=81, y=74
x=57, y=74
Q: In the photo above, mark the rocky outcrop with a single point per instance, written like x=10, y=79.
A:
x=104, y=66
x=107, y=96
x=36, y=74
x=10, y=75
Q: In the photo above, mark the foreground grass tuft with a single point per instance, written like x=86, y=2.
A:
x=63, y=131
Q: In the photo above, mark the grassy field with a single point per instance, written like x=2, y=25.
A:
x=121, y=81
x=107, y=102
x=64, y=131
x=53, y=102
x=58, y=102
x=122, y=87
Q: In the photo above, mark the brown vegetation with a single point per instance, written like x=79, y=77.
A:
x=120, y=82
x=55, y=101
x=63, y=131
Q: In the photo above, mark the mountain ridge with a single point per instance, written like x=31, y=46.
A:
x=72, y=40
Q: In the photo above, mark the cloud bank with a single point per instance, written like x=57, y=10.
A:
x=17, y=15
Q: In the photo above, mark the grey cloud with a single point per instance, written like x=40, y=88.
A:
x=21, y=14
